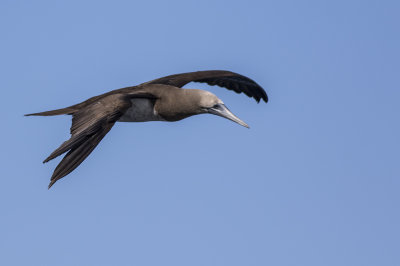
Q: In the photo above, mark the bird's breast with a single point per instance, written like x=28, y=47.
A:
x=142, y=110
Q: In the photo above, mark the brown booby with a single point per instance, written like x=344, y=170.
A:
x=161, y=99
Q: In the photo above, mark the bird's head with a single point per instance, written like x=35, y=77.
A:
x=209, y=103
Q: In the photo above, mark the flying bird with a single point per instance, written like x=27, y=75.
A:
x=161, y=99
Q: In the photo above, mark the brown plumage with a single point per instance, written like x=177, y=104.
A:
x=157, y=100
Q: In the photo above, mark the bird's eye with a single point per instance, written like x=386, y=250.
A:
x=216, y=106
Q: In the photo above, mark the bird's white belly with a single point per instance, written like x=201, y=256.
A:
x=142, y=110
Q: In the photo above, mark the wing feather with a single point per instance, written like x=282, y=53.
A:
x=89, y=126
x=230, y=80
x=77, y=155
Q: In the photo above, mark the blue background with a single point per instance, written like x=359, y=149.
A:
x=315, y=181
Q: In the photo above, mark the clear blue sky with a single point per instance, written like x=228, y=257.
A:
x=315, y=181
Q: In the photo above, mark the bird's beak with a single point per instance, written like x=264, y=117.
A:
x=222, y=110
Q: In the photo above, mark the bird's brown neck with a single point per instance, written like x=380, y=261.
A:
x=176, y=104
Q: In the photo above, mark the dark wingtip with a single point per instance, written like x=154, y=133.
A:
x=51, y=183
x=48, y=159
x=264, y=97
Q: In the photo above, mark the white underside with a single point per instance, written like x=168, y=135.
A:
x=142, y=110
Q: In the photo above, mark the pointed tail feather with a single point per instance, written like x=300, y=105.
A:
x=62, y=111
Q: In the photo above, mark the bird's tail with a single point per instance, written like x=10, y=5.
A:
x=62, y=111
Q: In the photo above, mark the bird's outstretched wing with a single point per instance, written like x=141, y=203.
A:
x=89, y=125
x=222, y=78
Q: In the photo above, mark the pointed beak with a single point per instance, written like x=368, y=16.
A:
x=222, y=110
